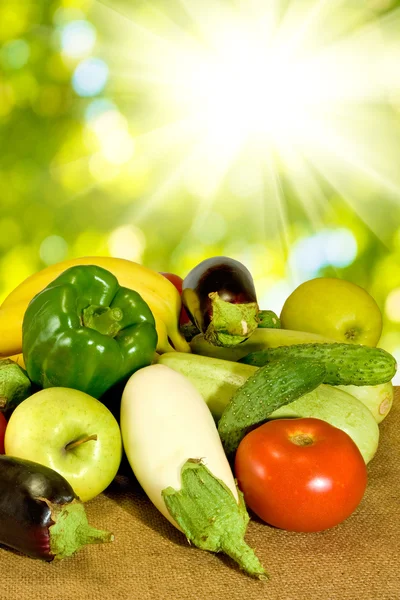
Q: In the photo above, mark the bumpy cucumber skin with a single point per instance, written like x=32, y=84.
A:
x=341, y=410
x=216, y=380
x=272, y=386
x=260, y=338
x=346, y=364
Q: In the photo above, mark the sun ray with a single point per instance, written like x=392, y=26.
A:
x=145, y=33
x=301, y=88
x=306, y=187
x=277, y=209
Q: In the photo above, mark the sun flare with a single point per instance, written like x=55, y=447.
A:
x=307, y=92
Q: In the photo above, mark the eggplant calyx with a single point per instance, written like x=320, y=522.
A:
x=210, y=516
x=231, y=323
x=71, y=531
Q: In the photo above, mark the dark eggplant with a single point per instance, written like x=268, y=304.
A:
x=40, y=515
x=220, y=298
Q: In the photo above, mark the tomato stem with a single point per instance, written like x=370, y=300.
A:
x=302, y=439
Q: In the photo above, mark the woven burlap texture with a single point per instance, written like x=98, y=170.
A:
x=150, y=560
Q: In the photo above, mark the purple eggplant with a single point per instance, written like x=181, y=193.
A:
x=220, y=298
x=40, y=515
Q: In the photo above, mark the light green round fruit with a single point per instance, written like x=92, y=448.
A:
x=341, y=410
x=378, y=398
x=335, y=308
x=70, y=432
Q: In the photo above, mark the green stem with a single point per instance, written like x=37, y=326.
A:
x=71, y=530
x=80, y=441
x=210, y=516
x=245, y=556
x=103, y=319
x=231, y=323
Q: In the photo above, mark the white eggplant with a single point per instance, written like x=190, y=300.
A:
x=173, y=447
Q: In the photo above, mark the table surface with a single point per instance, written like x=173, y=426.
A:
x=151, y=560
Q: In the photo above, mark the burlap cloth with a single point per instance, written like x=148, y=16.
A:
x=150, y=560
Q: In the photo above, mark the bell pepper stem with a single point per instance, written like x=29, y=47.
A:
x=106, y=320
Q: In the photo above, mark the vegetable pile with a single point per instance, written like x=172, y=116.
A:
x=222, y=408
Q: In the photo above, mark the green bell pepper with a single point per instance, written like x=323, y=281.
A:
x=85, y=331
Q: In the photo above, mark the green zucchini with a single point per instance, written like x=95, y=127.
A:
x=271, y=387
x=260, y=338
x=340, y=409
x=267, y=319
x=346, y=364
x=378, y=398
x=216, y=380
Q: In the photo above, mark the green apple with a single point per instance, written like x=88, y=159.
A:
x=70, y=432
x=335, y=308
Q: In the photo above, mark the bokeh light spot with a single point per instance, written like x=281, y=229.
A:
x=392, y=305
x=335, y=247
x=90, y=243
x=127, y=242
x=15, y=54
x=111, y=130
x=78, y=39
x=14, y=18
x=53, y=249
x=90, y=77
x=340, y=247
x=97, y=107
x=119, y=147
x=274, y=297
x=25, y=88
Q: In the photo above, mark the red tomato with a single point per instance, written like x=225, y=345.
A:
x=3, y=425
x=300, y=474
x=177, y=281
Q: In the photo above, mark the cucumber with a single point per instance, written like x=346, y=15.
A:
x=216, y=380
x=267, y=319
x=378, y=398
x=259, y=339
x=272, y=386
x=340, y=409
x=346, y=364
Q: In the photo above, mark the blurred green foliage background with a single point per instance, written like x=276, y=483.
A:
x=80, y=174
